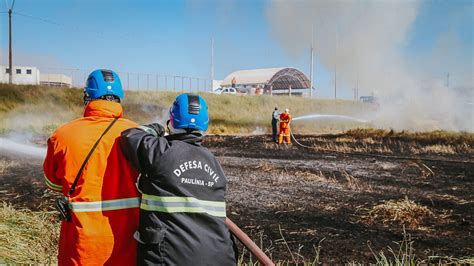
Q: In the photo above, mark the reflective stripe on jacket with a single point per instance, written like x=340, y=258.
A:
x=106, y=205
x=105, y=202
x=183, y=205
x=182, y=209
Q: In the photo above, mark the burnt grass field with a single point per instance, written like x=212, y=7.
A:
x=344, y=193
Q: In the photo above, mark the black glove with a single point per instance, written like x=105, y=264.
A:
x=159, y=129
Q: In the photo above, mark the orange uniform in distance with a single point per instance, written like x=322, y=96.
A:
x=104, y=205
x=285, y=119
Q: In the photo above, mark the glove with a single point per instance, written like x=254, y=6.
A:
x=156, y=127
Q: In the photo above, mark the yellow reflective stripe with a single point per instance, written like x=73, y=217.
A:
x=51, y=185
x=182, y=204
x=147, y=207
x=183, y=199
x=105, y=205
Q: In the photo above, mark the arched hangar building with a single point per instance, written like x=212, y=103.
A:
x=275, y=81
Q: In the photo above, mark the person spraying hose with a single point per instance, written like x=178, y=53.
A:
x=285, y=120
x=99, y=201
x=182, y=210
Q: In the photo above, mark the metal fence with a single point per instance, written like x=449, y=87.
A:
x=139, y=81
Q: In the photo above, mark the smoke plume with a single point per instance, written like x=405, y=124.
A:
x=363, y=40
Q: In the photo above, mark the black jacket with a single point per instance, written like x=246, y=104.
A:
x=183, y=208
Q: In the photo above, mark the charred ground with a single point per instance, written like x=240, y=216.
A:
x=331, y=191
x=294, y=198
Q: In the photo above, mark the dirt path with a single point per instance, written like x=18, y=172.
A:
x=309, y=197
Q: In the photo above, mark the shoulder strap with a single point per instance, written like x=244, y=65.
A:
x=88, y=156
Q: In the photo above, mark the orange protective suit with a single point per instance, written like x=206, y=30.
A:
x=285, y=119
x=104, y=205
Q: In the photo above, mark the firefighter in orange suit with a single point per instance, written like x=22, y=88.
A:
x=104, y=206
x=285, y=120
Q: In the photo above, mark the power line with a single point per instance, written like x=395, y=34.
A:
x=40, y=19
x=75, y=27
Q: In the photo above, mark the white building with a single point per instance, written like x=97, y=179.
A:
x=22, y=75
x=278, y=81
x=56, y=80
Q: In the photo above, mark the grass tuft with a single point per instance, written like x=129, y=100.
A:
x=27, y=237
x=403, y=212
x=403, y=254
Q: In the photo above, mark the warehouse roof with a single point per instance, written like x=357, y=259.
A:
x=279, y=78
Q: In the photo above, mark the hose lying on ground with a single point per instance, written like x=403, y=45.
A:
x=304, y=146
x=248, y=243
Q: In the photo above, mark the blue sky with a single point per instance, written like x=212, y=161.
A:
x=173, y=37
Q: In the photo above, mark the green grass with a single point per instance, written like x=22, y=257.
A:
x=42, y=109
x=34, y=109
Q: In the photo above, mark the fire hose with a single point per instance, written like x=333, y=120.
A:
x=296, y=141
x=248, y=243
x=293, y=137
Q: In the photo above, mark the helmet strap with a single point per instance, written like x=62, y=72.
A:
x=87, y=99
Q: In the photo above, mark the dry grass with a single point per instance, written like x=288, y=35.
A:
x=355, y=183
x=402, y=212
x=438, y=148
x=5, y=165
x=265, y=167
x=308, y=176
x=435, y=135
x=392, y=142
x=27, y=237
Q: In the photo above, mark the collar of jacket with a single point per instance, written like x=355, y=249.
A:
x=103, y=108
x=191, y=138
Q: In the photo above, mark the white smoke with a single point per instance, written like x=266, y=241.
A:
x=258, y=131
x=364, y=41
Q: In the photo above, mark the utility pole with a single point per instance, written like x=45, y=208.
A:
x=312, y=62
x=447, y=80
x=212, y=63
x=335, y=68
x=357, y=85
x=10, y=9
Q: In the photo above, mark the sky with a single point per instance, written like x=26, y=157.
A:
x=174, y=38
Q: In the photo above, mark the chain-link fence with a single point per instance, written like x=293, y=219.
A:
x=137, y=81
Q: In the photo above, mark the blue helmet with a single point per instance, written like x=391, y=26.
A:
x=103, y=82
x=189, y=112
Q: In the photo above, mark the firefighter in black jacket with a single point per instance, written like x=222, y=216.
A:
x=182, y=208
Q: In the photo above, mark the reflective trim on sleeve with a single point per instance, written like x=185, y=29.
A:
x=148, y=130
x=51, y=185
x=105, y=205
x=182, y=204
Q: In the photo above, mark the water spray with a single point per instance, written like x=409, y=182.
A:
x=330, y=117
x=323, y=117
x=21, y=148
